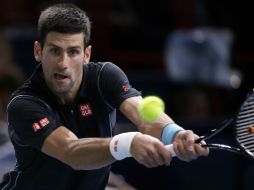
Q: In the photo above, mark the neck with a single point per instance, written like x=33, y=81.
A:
x=67, y=99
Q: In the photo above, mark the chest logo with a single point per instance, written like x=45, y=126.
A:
x=85, y=109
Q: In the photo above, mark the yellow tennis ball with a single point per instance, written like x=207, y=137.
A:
x=151, y=108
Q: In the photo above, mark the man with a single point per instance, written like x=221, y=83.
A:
x=60, y=120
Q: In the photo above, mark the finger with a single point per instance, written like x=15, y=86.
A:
x=180, y=151
x=159, y=159
x=190, y=141
x=147, y=162
x=166, y=156
x=184, y=153
x=200, y=150
x=155, y=160
x=158, y=156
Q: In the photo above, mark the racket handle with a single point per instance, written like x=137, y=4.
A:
x=171, y=150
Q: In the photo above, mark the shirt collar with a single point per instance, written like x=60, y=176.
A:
x=82, y=90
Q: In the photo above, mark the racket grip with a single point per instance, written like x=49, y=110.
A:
x=171, y=150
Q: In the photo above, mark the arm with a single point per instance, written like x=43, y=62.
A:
x=58, y=142
x=80, y=154
x=25, y=115
x=129, y=109
x=184, y=141
x=146, y=148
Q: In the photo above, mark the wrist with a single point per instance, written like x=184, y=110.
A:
x=169, y=132
x=120, y=145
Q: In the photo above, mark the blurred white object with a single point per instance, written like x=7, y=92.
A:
x=202, y=56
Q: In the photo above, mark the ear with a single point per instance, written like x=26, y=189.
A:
x=37, y=51
x=88, y=52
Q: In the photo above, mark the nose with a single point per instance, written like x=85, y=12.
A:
x=63, y=62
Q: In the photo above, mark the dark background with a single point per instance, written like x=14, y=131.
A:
x=132, y=34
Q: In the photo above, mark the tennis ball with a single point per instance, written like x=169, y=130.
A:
x=151, y=108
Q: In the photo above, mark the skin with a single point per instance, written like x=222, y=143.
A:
x=117, y=182
x=62, y=58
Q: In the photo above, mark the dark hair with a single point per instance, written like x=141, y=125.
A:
x=64, y=18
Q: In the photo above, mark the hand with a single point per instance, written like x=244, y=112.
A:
x=149, y=151
x=185, y=147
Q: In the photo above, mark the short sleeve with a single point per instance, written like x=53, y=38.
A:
x=31, y=120
x=115, y=86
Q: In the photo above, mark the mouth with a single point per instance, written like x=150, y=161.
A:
x=60, y=77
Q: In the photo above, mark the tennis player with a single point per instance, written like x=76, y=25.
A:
x=61, y=119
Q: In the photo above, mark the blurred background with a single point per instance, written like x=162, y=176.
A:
x=197, y=55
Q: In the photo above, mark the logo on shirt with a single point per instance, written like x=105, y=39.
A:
x=125, y=88
x=85, y=109
x=40, y=124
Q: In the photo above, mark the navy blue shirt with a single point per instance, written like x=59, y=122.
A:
x=34, y=112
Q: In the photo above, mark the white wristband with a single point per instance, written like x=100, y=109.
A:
x=120, y=145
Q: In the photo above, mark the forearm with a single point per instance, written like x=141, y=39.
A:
x=80, y=154
x=129, y=109
x=89, y=153
x=155, y=128
x=93, y=153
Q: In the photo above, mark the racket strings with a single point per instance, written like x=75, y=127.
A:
x=245, y=121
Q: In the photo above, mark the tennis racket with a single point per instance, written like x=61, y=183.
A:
x=243, y=131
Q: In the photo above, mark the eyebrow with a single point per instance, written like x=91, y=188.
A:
x=72, y=47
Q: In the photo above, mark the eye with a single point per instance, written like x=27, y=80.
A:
x=73, y=52
x=55, y=51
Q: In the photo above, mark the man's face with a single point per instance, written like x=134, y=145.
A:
x=62, y=58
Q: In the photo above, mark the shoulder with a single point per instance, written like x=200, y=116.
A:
x=24, y=98
x=102, y=66
x=110, y=69
x=103, y=70
x=26, y=103
x=34, y=85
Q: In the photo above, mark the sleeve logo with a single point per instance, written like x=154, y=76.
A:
x=116, y=145
x=125, y=88
x=85, y=109
x=40, y=124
